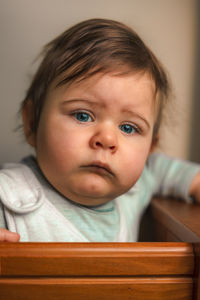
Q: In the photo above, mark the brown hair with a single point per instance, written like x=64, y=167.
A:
x=96, y=45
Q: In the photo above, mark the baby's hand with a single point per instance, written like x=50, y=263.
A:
x=8, y=236
x=195, y=188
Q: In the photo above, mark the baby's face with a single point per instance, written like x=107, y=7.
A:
x=94, y=136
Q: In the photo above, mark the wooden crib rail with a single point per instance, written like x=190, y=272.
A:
x=96, y=259
x=96, y=271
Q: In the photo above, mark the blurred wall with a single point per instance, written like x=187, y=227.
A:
x=168, y=27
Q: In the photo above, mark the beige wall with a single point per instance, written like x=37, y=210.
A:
x=168, y=27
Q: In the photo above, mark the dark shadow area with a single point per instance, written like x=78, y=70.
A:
x=194, y=151
x=146, y=232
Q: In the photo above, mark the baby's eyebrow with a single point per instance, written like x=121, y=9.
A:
x=136, y=115
x=80, y=100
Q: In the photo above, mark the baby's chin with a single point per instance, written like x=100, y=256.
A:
x=89, y=191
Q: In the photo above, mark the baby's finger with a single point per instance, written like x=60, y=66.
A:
x=8, y=236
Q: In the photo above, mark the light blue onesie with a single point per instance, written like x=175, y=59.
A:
x=34, y=209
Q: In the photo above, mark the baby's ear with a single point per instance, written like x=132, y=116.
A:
x=28, y=121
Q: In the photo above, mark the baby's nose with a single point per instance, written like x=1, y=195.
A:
x=105, y=138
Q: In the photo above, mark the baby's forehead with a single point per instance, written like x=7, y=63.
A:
x=88, y=82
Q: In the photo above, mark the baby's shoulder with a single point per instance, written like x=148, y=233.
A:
x=15, y=172
x=19, y=187
x=21, y=171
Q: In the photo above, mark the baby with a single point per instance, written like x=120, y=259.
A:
x=92, y=114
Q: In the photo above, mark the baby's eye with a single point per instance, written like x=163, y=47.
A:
x=83, y=117
x=128, y=129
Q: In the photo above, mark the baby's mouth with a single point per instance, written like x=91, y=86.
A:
x=100, y=168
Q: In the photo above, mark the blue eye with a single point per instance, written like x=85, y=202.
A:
x=127, y=128
x=83, y=117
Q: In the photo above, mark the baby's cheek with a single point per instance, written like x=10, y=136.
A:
x=132, y=171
